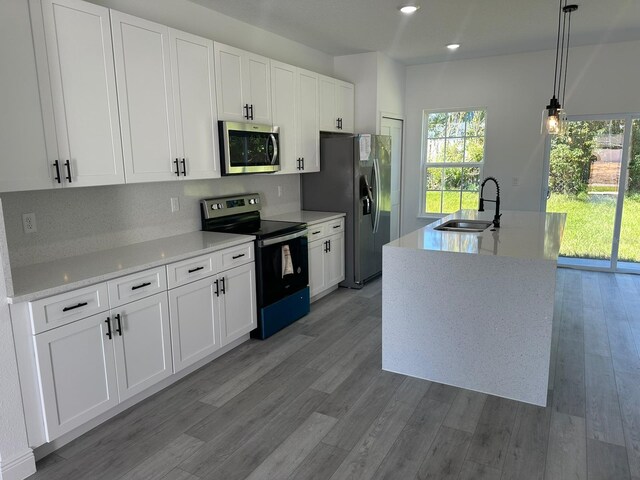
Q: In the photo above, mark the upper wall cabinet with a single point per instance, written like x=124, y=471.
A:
x=78, y=65
x=294, y=94
x=243, y=85
x=336, y=105
x=194, y=105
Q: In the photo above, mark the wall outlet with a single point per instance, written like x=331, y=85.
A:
x=175, y=204
x=29, y=222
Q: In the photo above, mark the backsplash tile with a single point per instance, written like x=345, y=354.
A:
x=83, y=220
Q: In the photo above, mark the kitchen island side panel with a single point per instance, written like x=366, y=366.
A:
x=473, y=321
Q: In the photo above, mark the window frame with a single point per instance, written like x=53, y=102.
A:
x=423, y=157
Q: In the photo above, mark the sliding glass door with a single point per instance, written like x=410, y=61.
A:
x=594, y=176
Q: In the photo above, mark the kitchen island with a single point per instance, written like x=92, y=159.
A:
x=474, y=310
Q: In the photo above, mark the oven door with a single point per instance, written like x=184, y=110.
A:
x=248, y=148
x=274, y=281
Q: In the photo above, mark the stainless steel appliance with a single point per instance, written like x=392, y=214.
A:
x=248, y=148
x=282, y=265
x=355, y=178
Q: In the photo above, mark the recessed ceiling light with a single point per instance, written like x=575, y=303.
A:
x=409, y=9
x=453, y=46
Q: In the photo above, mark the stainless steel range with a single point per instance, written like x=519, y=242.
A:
x=282, y=269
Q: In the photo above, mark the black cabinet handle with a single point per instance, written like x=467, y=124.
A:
x=246, y=111
x=184, y=168
x=326, y=246
x=57, y=177
x=329, y=242
x=251, y=109
x=217, y=292
x=145, y=284
x=177, y=172
x=119, y=329
x=109, y=336
x=83, y=304
x=223, y=289
x=316, y=232
x=67, y=164
x=195, y=269
x=237, y=256
x=298, y=162
x=336, y=226
x=302, y=163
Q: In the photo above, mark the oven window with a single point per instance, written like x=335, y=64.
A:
x=274, y=284
x=251, y=149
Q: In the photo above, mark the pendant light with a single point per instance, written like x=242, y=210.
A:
x=553, y=116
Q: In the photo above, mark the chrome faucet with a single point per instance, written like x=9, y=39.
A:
x=496, y=217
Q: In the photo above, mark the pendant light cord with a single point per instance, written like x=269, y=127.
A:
x=566, y=61
x=563, y=69
x=555, y=72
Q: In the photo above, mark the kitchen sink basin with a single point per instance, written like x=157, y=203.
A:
x=464, y=226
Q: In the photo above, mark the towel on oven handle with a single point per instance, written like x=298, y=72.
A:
x=287, y=264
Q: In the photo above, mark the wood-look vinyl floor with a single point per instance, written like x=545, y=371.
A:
x=313, y=403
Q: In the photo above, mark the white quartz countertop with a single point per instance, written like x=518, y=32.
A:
x=531, y=235
x=307, y=216
x=44, y=279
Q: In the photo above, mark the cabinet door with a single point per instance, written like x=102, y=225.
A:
x=345, y=105
x=77, y=374
x=238, y=303
x=283, y=80
x=194, y=104
x=195, y=322
x=335, y=260
x=317, y=266
x=307, y=120
x=328, y=117
x=141, y=51
x=229, y=87
x=142, y=343
x=257, y=83
x=83, y=89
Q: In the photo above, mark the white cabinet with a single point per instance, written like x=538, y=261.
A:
x=295, y=110
x=141, y=335
x=192, y=68
x=79, y=69
x=336, y=105
x=326, y=256
x=141, y=51
x=77, y=373
x=243, y=85
x=211, y=312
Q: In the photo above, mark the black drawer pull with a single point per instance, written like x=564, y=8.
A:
x=196, y=269
x=145, y=284
x=336, y=226
x=119, y=329
x=315, y=233
x=83, y=304
x=237, y=256
x=109, y=336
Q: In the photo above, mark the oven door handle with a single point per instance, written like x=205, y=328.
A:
x=281, y=239
x=272, y=140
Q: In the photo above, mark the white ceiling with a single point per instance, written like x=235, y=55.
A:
x=483, y=27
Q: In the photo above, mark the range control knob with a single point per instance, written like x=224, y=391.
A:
x=220, y=206
x=214, y=206
x=252, y=201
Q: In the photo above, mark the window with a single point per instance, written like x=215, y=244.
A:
x=452, y=160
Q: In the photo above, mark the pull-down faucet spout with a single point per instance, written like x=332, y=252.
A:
x=496, y=217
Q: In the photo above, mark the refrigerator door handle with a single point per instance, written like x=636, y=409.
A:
x=376, y=186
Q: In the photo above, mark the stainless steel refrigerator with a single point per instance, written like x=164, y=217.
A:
x=355, y=178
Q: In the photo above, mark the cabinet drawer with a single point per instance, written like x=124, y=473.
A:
x=68, y=307
x=137, y=285
x=234, y=256
x=186, y=271
x=335, y=226
x=317, y=231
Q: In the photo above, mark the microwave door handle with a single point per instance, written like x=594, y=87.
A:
x=274, y=158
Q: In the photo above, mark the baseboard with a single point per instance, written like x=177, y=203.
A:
x=19, y=467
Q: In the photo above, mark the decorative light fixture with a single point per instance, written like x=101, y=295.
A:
x=553, y=116
x=409, y=9
x=453, y=46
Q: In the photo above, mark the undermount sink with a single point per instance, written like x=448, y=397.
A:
x=463, y=226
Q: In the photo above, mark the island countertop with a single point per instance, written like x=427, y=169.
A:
x=527, y=235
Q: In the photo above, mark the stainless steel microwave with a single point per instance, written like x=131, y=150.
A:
x=248, y=148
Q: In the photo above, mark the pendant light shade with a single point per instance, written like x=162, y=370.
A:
x=554, y=116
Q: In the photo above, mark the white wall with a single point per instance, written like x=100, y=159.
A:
x=391, y=86
x=515, y=89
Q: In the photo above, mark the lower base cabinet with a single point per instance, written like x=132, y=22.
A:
x=89, y=366
x=326, y=263
x=211, y=313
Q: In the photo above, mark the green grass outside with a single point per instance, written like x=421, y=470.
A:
x=450, y=201
x=589, y=229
